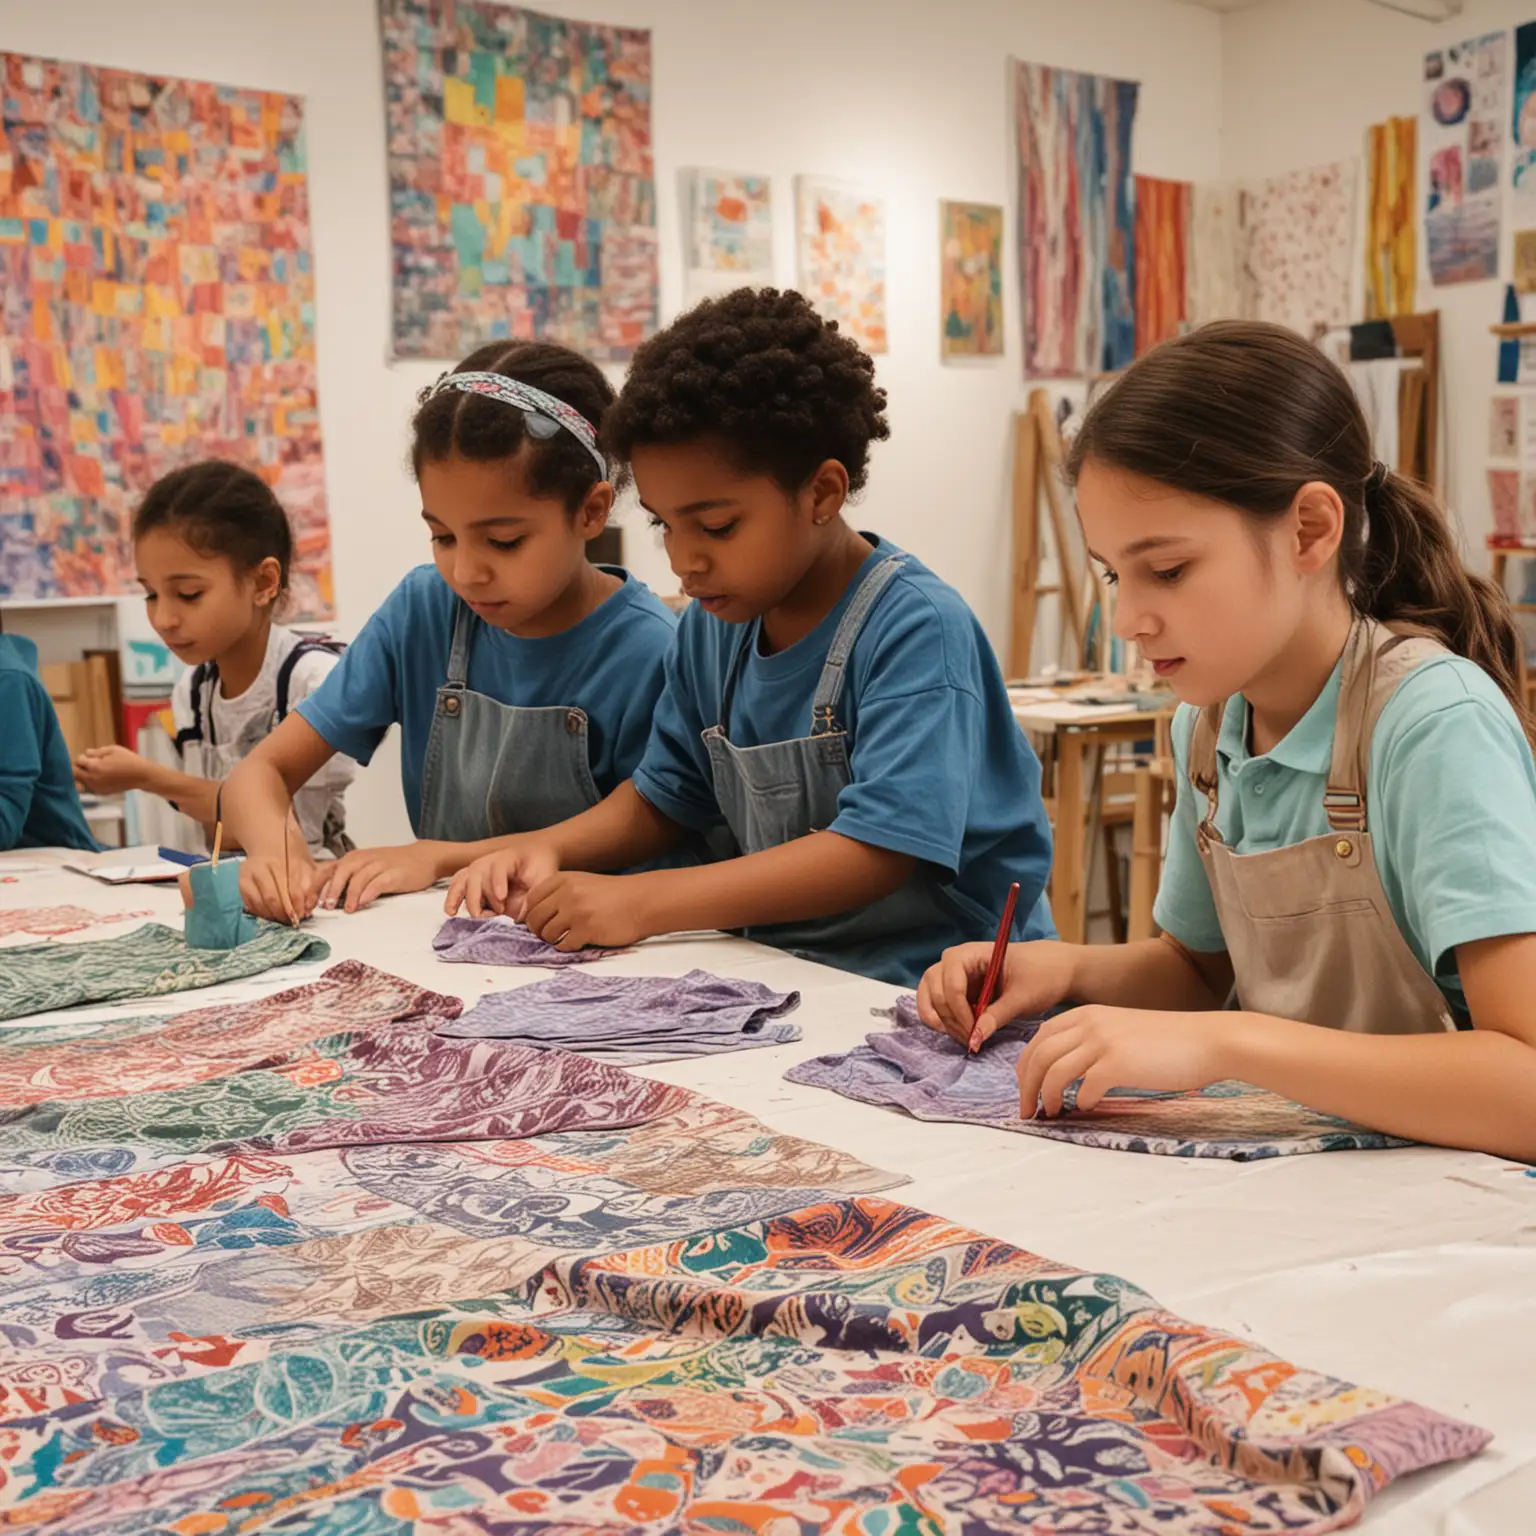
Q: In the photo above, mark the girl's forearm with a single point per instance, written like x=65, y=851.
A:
x=1466, y=1088
x=1157, y=974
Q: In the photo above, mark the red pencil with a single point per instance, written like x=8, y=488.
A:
x=995, y=967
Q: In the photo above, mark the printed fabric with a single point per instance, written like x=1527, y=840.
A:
x=635, y=1020
x=149, y=962
x=931, y=1077
x=502, y=941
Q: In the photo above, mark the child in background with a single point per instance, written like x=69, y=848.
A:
x=1352, y=842
x=830, y=702
x=213, y=548
x=39, y=807
x=522, y=676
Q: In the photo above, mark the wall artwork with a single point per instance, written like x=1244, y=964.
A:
x=730, y=231
x=1077, y=221
x=522, y=192
x=1298, y=246
x=1523, y=174
x=156, y=307
x=971, y=279
x=1215, y=253
x=841, y=241
x=1162, y=259
x=1391, y=232
x=1463, y=153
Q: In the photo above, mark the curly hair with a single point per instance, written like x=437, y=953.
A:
x=761, y=371
x=222, y=510
x=468, y=426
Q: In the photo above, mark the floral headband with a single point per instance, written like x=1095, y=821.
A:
x=543, y=414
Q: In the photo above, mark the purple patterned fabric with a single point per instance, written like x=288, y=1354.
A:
x=634, y=1020
x=501, y=941
x=932, y=1077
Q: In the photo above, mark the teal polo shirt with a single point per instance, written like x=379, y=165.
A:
x=1451, y=803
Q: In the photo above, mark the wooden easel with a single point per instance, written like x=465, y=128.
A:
x=1037, y=465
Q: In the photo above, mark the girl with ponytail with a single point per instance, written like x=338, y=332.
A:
x=1352, y=858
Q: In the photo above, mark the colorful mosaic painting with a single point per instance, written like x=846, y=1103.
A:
x=971, y=279
x=522, y=193
x=683, y=1322
x=730, y=231
x=156, y=307
x=841, y=240
x=1077, y=221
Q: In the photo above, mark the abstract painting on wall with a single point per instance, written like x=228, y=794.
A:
x=1215, y=289
x=971, y=279
x=156, y=307
x=1463, y=153
x=1162, y=259
x=1298, y=245
x=841, y=242
x=1077, y=221
x=522, y=192
x=1391, y=231
x=730, y=231
x=1523, y=174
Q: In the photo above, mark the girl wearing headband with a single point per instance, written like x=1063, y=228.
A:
x=521, y=675
x=1351, y=851
x=833, y=714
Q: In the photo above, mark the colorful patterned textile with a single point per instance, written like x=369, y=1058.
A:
x=931, y=1077
x=50, y=922
x=391, y=1081
x=501, y=941
x=634, y=1020
x=159, y=1052
x=855, y=1365
x=149, y=962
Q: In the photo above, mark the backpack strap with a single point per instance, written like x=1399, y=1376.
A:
x=202, y=674
x=308, y=646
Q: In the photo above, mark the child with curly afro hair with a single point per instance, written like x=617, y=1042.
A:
x=833, y=717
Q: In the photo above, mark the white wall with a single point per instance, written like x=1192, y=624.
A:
x=909, y=98
x=1304, y=79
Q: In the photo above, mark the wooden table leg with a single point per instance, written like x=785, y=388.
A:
x=1146, y=853
x=1068, y=895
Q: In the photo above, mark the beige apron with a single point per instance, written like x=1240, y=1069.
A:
x=1308, y=928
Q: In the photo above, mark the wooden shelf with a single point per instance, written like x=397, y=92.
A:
x=1513, y=330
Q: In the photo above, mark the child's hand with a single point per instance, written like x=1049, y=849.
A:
x=1099, y=1048
x=1036, y=977
x=365, y=874
x=267, y=893
x=500, y=882
x=573, y=910
x=111, y=770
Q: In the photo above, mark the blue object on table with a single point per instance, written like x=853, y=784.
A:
x=176, y=856
x=217, y=918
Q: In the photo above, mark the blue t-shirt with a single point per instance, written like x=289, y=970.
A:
x=1451, y=804
x=39, y=805
x=940, y=768
x=609, y=665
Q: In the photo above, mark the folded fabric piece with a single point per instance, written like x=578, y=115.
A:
x=161, y=1051
x=387, y=1081
x=501, y=941
x=635, y=1020
x=932, y=1077
x=855, y=1356
x=149, y=962
x=50, y=922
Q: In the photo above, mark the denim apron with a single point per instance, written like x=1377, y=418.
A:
x=772, y=794
x=494, y=768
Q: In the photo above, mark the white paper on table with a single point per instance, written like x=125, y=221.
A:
x=131, y=874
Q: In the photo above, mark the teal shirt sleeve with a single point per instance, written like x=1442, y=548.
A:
x=21, y=757
x=674, y=773
x=1185, y=907
x=1453, y=812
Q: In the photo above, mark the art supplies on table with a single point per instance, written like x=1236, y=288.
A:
x=153, y=872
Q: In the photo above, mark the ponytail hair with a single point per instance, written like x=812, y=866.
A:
x=1246, y=414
